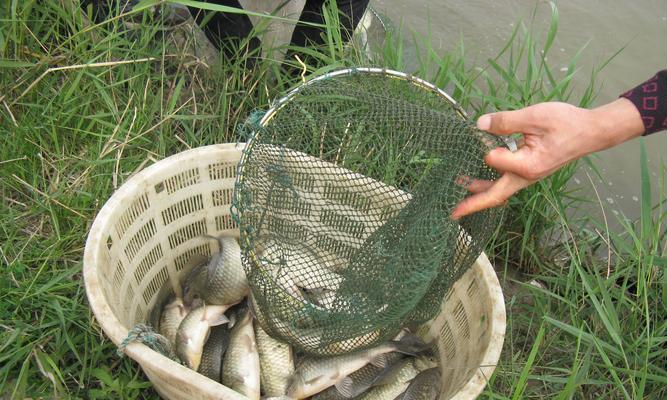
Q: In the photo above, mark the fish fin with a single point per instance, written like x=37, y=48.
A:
x=346, y=387
x=390, y=373
x=232, y=320
x=248, y=343
x=294, y=384
x=411, y=344
x=380, y=361
x=218, y=320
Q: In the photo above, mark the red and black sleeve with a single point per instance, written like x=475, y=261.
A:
x=650, y=98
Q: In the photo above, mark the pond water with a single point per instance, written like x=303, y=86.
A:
x=606, y=25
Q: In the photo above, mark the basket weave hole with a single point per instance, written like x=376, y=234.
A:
x=139, y=314
x=447, y=344
x=342, y=223
x=225, y=222
x=127, y=300
x=147, y=263
x=472, y=290
x=296, y=205
x=118, y=274
x=140, y=238
x=346, y=197
x=182, y=259
x=461, y=318
x=221, y=171
x=289, y=229
x=155, y=285
x=184, y=207
x=222, y=197
x=132, y=214
x=334, y=246
x=186, y=233
x=179, y=181
x=302, y=180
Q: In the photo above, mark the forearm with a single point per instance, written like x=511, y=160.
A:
x=614, y=123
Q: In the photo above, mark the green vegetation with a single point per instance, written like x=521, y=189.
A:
x=83, y=106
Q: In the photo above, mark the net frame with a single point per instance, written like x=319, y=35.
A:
x=268, y=116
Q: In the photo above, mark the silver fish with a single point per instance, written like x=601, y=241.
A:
x=363, y=379
x=305, y=269
x=426, y=360
x=395, y=387
x=276, y=363
x=172, y=316
x=313, y=375
x=240, y=364
x=222, y=281
x=214, y=349
x=194, y=330
x=425, y=386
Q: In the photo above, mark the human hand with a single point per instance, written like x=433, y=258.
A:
x=553, y=135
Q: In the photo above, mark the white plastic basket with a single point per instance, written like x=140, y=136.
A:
x=145, y=233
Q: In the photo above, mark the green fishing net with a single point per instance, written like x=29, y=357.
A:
x=343, y=198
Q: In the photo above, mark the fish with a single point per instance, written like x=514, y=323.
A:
x=276, y=362
x=313, y=375
x=305, y=269
x=222, y=281
x=425, y=386
x=351, y=344
x=214, y=349
x=194, y=330
x=426, y=360
x=172, y=316
x=395, y=387
x=365, y=378
x=240, y=364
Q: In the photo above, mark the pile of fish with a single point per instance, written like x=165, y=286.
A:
x=212, y=329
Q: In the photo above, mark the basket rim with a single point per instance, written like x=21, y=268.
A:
x=113, y=328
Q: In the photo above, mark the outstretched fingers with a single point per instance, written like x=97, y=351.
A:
x=489, y=194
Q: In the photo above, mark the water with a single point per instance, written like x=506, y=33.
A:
x=606, y=25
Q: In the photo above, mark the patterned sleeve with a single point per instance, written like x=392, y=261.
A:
x=650, y=98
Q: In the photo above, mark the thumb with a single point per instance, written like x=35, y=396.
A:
x=507, y=122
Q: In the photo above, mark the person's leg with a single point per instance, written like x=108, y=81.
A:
x=225, y=30
x=351, y=12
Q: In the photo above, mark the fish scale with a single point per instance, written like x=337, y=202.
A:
x=425, y=386
x=314, y=375
x=240, y=364
x=363, y=379
x=194, y=330
x=172, y=316
x=214, y=350
x=395, y=388
x=222, y=281
x=276, y=363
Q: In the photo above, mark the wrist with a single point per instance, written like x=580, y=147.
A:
x=615, y=123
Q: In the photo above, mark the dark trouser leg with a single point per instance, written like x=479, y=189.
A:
x=351, y=12
x=225, y=30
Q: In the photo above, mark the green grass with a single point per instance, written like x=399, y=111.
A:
x=83, y=107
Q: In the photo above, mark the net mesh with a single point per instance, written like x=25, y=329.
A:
x=343, y=200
